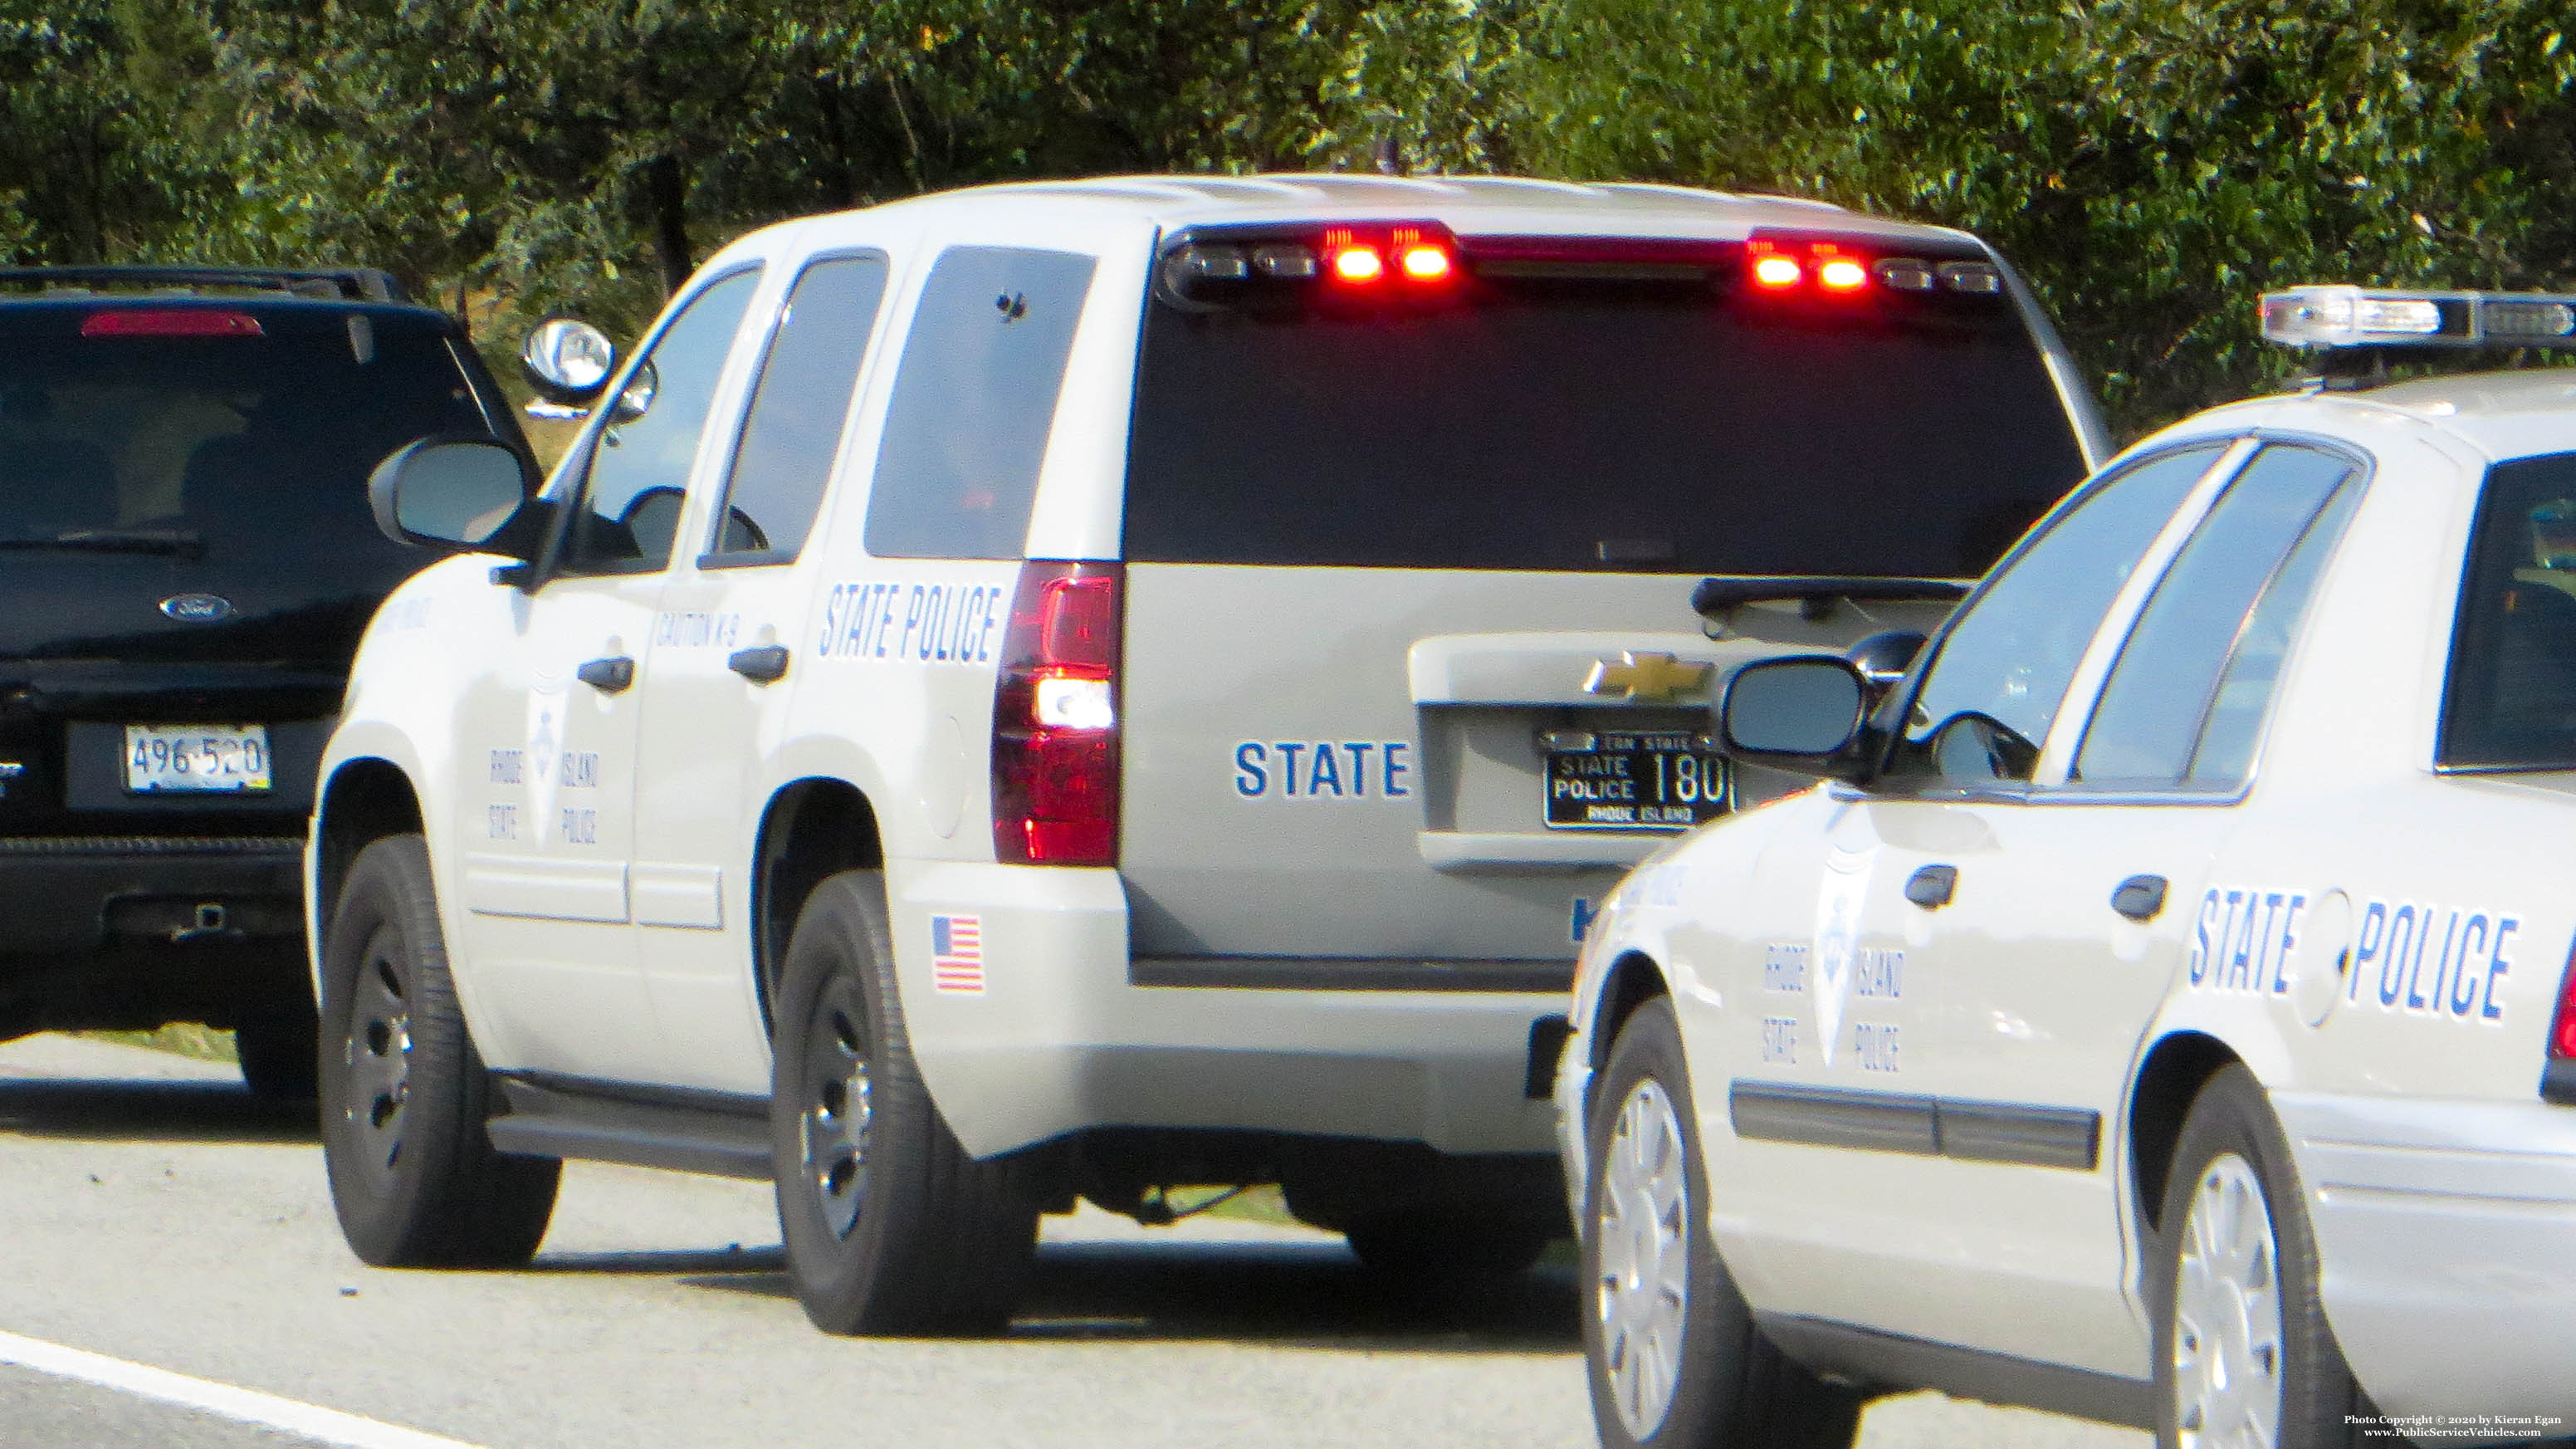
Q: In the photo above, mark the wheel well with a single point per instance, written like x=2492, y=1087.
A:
x=365, y=801
x=813, y=829
x=2168, y=1081
x=1634, y=980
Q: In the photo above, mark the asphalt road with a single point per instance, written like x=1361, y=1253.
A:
x=154, y=1215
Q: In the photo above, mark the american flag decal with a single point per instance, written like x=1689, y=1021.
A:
x=957, y=953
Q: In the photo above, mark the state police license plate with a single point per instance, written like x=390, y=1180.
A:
x=161, y=759
x=1613, y=780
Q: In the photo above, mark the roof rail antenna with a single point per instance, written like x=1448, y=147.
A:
x=354, y=284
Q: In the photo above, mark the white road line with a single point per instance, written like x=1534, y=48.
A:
x=248, y=1406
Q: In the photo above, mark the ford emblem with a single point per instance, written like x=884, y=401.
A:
x=197, y=608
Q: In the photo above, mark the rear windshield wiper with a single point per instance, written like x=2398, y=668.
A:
x=1816, y=594
x=176, y=541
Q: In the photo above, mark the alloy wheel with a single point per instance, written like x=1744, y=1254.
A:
x=2227, y=1314
x=1642, y=1237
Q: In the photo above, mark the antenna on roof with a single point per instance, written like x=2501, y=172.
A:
x=1390, y=156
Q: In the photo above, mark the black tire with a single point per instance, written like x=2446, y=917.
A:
x=404, y=1093
x=1731, y=1388
x=890, y=1227
x=2232, y=1157
x=1445, y=1251
x=280, y=1053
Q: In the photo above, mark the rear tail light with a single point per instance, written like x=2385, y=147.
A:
x=2558, y=1076
x=1055, y=718
x=1842, y=274
x=169, y=322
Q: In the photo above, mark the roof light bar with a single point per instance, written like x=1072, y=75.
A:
x=1777, y=272
x=2343, y=316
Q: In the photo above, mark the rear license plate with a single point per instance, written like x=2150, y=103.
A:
x=1612, y=780
x=226, y=759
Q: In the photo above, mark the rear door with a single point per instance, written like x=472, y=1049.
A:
x=712, y=690
x=1380, y=537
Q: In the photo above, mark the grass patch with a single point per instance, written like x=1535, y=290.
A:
x=182, y=1038
x=1260, y=1205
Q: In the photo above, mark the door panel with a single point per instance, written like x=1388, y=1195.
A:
x=545, y=838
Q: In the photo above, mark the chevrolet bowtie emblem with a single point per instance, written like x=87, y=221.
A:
x=1646, y=678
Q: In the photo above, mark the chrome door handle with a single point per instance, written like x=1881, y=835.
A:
x=2139, y=897
x=1930, y=887
x=608, y=676
x=764, y=665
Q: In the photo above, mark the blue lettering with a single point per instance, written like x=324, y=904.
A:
x=912, y=604
x=2392, y=962
x=1395, y=766
x=854, y=627
x=1583, y=918
x=2477, y=931
x=831, y=618
x=1359, y=764
x=1290, y=750
x=2374, y=927
x=2415, y=971
x=2200, y=942
x=2497, y=966
x=2239, y=943
x=1250, y=779
x=992, y=621
x=2288, y=941
x=1328, y=769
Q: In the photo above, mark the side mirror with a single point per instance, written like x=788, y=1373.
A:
x=450, y=493
x=567, y=360
x=1801, y=713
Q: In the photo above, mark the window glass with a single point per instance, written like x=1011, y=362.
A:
x=1588, y=424
x=2187, y=696
x=799, y=407
x=639, y=468
x=974, y=399
x=1986, y=704
x=2512, y=694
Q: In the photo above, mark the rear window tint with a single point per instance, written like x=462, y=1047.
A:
x=1591, y=426
x=258, y=447
x=974, y=398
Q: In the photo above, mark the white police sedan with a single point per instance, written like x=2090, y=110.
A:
x=2161, y=1011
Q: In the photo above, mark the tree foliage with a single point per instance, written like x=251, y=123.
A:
x=2150, y=163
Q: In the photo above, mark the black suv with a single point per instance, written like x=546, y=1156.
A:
x=186, y=563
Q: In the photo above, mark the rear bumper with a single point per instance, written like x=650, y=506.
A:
x=2446, y=1234
x=87, y=893
x=1063, y=1035
x=134, y=931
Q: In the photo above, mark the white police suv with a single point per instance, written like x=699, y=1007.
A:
x=1080, y=689
x=2161, y=1011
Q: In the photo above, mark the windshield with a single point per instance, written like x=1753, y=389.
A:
x=2512, y=697
x=253, y=449
x=1572, y=424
